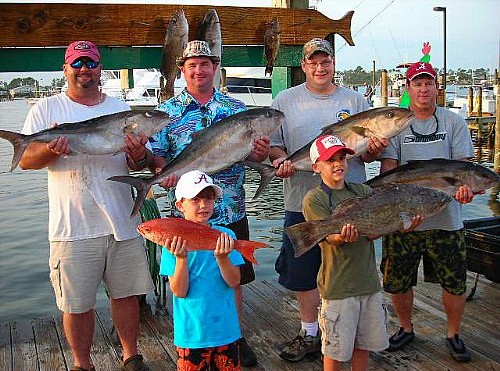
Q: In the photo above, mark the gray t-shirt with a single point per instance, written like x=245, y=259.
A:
x=305, y=115
x=444, y=136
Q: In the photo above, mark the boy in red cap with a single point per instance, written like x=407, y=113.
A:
x=351, y=316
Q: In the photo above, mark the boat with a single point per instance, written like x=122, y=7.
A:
x=482, y=238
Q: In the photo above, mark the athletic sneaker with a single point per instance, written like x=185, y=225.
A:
x=457, y=349
x=400, y=339
x=301, y=346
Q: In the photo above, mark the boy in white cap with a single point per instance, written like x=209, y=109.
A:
x=206, y=324
x=196, y=108
x=351, y=315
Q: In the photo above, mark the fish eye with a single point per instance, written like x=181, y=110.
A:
x=390, y=114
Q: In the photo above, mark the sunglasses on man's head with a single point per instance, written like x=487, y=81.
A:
x=89, y=63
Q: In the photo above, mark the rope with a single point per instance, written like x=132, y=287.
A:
x=149, y=210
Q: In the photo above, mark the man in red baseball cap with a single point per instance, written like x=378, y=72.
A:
x=435, y=132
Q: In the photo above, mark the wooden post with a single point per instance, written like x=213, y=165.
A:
x=383, y=88
x=285, y=77
x=496, y=161
x=373, y=75
x=470, y=101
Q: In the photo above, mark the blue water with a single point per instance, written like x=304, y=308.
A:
x=25, y=291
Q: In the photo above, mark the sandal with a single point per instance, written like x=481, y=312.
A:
x=400, y=339
x=134, y=363
x=457, y=349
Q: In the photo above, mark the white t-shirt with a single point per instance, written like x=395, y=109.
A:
x=82, y=202
x=305, y=115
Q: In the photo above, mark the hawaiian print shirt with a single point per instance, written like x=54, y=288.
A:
x=187, y=117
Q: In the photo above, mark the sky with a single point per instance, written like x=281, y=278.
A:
x=388, y=32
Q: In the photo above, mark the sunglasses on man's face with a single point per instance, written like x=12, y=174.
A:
x=89, y=63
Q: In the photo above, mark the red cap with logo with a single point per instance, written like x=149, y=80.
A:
x=80, y=49
x=326, y=146
x=419, y=69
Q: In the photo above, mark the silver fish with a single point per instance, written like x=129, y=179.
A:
x=442, y=174
x=97, y=136
x=271, y=44
x=356, y=130
x=213, y=149
x=210, y=31
x=176, y=39
x=389, y=208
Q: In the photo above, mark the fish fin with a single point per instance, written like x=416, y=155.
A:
x=247, y=248
x=141, y=186
x=405, y=219
x=19, y=143
x=267, y=174
x=304, y=236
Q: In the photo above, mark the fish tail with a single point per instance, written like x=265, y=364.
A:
x=304, y=236
x=345, y=32
x=267, y=174
x=269, y=70
x=18, y=142
x=247, y=248
x=141, y=186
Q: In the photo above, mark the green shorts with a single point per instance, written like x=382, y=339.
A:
x=443, y=253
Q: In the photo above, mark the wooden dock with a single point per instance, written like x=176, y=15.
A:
x=271, y=318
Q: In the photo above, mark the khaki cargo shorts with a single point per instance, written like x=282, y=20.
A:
x=356, y=322
x=78, y=267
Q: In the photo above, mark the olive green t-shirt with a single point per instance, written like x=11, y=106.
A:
x=348, y=269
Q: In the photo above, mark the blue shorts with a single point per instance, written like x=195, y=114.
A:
x=297, y=274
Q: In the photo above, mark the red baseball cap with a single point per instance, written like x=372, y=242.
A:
x=326, y=146
x=420, y=68
x=78, y=49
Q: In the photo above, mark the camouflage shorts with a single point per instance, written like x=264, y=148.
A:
x=443, y=253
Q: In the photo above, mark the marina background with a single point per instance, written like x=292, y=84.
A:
x=25, y=290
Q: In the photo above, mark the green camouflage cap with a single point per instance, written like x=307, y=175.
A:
x=197, y=48
x=316, y=45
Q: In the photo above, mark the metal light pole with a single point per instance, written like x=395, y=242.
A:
x=443, y=9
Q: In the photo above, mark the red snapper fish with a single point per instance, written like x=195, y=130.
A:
x=198, y=236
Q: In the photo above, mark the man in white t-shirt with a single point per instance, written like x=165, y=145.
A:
x=92, y=238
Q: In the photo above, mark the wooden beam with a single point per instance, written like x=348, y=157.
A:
x=44, y=25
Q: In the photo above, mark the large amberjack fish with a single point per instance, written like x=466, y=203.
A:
x=213, y=149
x=272, y=41
x=97, y=136
x=388, y=209
x=176, y=39
x=210, y=31
x=445, y=175
x=198, y=236
x=356, y=130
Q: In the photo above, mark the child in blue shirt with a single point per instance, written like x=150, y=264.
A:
x=206, y=324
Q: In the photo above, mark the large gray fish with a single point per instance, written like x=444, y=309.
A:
x=176, y=39
x=356, y=130
x=97, y=136
x=213, y=149
x=271, y=44
x=388, y=209
x=442, y=174
x=210, y=31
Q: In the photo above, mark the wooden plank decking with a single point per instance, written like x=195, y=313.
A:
x=271, y=317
